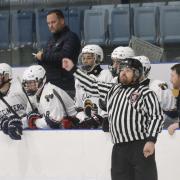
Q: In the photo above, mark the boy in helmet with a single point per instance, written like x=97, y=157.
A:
x=164, y=94
x=120, y=53
x=90, y=59
x=49, y=106
x=12, y=103
x=135, y=117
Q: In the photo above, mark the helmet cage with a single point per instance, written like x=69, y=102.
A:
x=32, y=87
x=4, y=78
x=5, y=74
x=87, y=67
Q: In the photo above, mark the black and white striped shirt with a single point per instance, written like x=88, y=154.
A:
x=134, y=111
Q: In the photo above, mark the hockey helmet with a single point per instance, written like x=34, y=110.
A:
x=145, y=63
x=34, y=78
x=117, y=55
x=133, y=64
x=96, y=54
x=121, y=53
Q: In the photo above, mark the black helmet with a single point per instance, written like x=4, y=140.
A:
x=134, y=64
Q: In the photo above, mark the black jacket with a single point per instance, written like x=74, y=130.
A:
x=64, y=44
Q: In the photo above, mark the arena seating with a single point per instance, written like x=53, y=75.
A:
x=106, y=25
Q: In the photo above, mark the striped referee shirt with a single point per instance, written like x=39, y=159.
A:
x=134, y=111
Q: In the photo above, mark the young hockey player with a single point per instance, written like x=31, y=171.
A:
x=12, y=103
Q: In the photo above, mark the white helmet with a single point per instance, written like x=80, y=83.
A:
x=118, y=54
x=121, y=53
x=34, y=78
x=5, y=69
x=146, y=64
x=94, y=49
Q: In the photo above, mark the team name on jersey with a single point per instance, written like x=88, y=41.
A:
x=16, y=108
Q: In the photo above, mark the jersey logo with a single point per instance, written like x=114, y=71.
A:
x=48, y=97
x=134, y=96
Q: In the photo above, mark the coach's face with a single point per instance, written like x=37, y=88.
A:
x=126, y=76
x=55, y=23
x=175, y=79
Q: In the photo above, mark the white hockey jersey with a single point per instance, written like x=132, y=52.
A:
x=81, y=96
x=164, y=94
x=16, y=99
x=50, y=105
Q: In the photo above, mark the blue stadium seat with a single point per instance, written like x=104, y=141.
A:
x=169, y=24
x=108, y=7
x=154, y=4
x=4, y=35
x=174, y=3
x=66, y=15
x=75, y=21
x=129, y=5
x=95, y=26
x=42, y=31
x=22, y=28
x=119, y=29
x=146, y=23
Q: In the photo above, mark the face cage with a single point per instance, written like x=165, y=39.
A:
x=89, y=68
x=31, y=87
x=115, y=70
x=2, y=79
x=146, y=71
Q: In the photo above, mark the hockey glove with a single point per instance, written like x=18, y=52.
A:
x=79, y=109
x=4, y=124
x=52, y=123
x=70, y=122
x=15, y=128
x=91, y=123
x=31, y=118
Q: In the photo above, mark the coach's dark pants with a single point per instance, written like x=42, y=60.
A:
x=129, y=163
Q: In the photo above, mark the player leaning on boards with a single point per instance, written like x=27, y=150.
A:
x=49, y=105
x=12, y=103
x=162, y=90
x=90, y=60
x=135, y=117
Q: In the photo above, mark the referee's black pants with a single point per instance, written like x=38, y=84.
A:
x=128, y=162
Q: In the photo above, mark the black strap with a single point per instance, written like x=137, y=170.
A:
x=9, y=107
x=60, y=99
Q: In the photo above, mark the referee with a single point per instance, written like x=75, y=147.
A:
x=135, y=119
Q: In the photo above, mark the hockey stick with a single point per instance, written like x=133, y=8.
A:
x=60, y=99
x=73, y=121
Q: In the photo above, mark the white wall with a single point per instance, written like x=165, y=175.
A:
x=74, y=155
x=161, y=71
x=158, y=71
